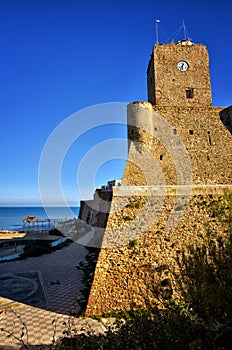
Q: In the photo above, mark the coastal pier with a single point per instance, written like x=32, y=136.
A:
x=33, y=221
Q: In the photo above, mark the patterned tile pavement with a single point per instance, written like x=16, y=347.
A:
x=61, y=282
x=43, y=327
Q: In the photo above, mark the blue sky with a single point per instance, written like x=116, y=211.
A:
x=58, y=57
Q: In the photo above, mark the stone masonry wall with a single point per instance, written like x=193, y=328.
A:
x=167, y=85
x=179, y=161
x=206, y=140
x=126, y=274
x=159, y=209
x=95, y=211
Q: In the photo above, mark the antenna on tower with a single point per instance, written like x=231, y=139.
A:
x=185, y=31
x=156, y=31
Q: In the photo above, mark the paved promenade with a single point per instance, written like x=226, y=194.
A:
x=59, y=283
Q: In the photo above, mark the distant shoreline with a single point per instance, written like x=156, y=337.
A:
x=9, y=234
x=11, y=218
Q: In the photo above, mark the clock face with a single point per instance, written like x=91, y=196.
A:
x=182, y=66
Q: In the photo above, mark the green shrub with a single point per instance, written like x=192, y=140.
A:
x=166, y=282
x=137, y=204
x=37, y=249
x=128, y=217
x=133, y=243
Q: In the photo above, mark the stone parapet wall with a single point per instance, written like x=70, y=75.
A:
x=193, y=190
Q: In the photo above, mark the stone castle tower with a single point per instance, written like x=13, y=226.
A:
x=179, y=93
x=179, y=149
x=178, y=75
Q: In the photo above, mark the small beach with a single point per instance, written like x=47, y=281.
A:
x=8, y=234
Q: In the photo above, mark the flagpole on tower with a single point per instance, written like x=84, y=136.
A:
x=156, y=30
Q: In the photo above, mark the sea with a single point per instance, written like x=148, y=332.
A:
x=11, y=217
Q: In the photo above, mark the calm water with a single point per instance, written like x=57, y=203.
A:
x=11, y=217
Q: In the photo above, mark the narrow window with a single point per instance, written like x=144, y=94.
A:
x=174, y=131
x=155, y=129
x=209, y=138
x=89, y=217
x=161, y=157
x=189, y=93
x=190, y=132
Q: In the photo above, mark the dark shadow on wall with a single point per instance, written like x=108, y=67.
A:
x=88, y=269
x=226, y=118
